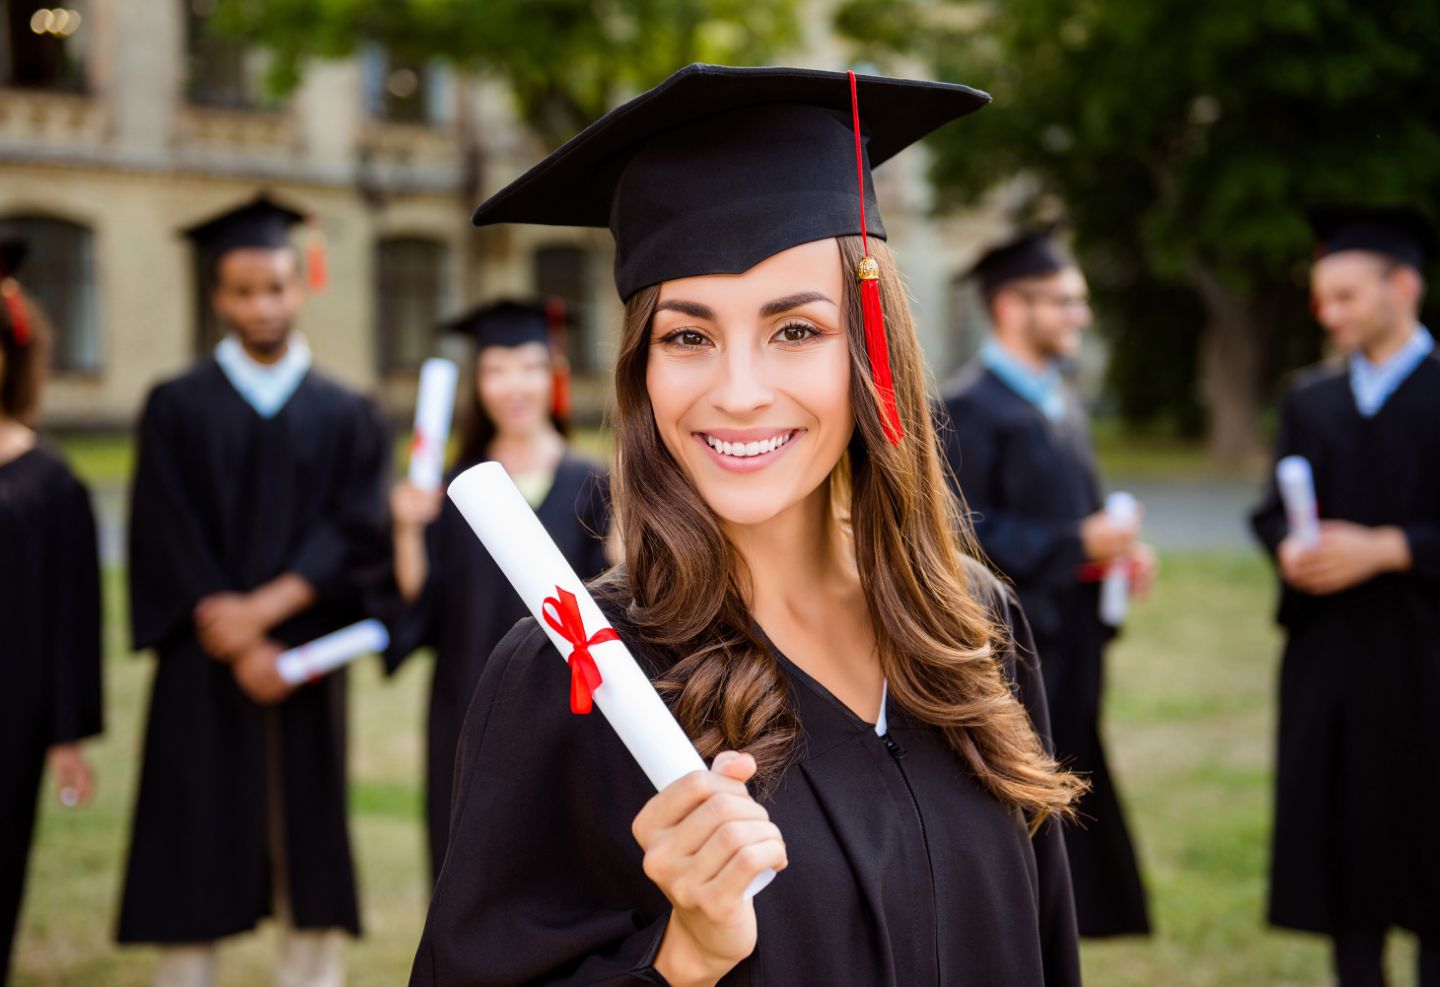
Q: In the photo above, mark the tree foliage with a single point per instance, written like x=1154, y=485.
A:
x=1184, y=140
x=567, y=61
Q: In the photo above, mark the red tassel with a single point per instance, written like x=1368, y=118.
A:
x=878, y=349
x=317, y=270
x=15, y=304
x=560, y=374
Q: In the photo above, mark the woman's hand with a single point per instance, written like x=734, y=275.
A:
x=74, y=781
x=413, y=508
x=705, y=840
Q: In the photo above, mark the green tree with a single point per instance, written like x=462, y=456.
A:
x=1183, y=140
x=567, y=61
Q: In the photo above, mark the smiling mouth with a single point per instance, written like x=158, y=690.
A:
x=747, y=450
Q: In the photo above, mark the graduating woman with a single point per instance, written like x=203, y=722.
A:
x=461, y=604
x=798, y=582
x=49, y=605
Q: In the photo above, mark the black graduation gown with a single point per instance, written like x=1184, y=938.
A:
x=903, y=870
x=1028, y=482
x=49, y=648
x=1355, y=845
x=467, y=606
x=227, y=500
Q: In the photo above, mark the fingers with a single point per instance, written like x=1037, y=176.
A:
x=681, y=797
x=743, y=867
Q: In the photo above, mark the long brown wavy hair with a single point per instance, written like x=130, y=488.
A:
x=940, y=642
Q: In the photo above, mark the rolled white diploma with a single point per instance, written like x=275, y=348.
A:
x=1115, y=588
x=1297, y=490
x=524, y=551
x=325, y=654
x=434, y=409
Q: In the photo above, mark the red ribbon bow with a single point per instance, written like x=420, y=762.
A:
x=563, y=616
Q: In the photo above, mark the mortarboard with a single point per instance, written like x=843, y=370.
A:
x=12, y=256
x=718, y=168
x=510, y=322
x=261, y=223
x=1031, y=254
x=1399, y=231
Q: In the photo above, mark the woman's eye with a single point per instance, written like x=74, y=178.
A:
x=796, y=332
x=686, y=338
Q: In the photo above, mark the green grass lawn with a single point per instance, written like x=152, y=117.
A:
x=1190, y=722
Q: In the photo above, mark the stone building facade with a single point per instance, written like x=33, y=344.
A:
x=124, y=121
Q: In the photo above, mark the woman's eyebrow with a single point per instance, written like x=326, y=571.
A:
x=792, y=301
x=694, y=309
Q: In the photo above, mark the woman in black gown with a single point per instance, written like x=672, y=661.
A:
x=49, y=607
x=459, y=602
x=797, y=583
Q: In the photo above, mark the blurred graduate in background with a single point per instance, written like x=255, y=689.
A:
x=460, y=603
x=1354, y=850
x=259, y=499
x=50, y=642
x=1018, y=444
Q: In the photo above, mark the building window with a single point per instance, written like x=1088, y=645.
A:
x=220, y=71
x=563, y=271
x=59, y=272
x=43, y=44
x=410, y=283
x=405, y=90
x=967, y=320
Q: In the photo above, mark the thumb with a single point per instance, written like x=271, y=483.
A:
x=734, y=764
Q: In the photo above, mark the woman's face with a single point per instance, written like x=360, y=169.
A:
x=514, y=384
x=749, y=379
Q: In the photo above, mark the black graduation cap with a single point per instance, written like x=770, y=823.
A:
x=511, y=322
x=262, y=223
x=1401, y=231
x=718, y=168
x=1031, y=254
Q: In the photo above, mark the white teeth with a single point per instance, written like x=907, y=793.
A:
x=744, y=450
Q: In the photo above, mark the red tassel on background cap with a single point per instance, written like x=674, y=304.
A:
x=317, y=269
x=560, y=375
x=15, y=304
x=877, y=347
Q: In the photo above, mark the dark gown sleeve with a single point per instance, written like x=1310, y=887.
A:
x=73, y=602
x=542, y=882
x=171, y=566
x=1031, y=551
x=1059, y=933
x=1267, y=520
x=1424, y=539
x=416, y=624
x=351, y=538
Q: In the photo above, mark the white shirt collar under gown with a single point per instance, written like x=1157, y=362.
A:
x=1373, y=383
x=265, y=387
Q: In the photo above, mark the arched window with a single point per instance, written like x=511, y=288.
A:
x=410, y=293
x=563, y=271
x=60, y=272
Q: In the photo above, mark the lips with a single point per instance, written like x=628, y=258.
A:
x=745, y=449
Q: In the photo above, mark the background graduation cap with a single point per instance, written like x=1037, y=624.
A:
x=718, y=168
x=1400, y=231
x=12, y=256
x=1033, y=253
x=514, y=322
x=261, y=223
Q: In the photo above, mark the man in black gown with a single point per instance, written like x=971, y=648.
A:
x=258, y=502
x=1019, y=448
x=1354, y=845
